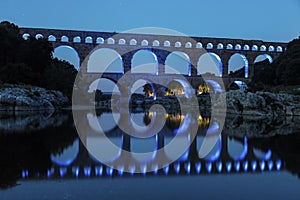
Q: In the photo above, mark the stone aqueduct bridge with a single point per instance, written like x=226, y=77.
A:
x=127, y=44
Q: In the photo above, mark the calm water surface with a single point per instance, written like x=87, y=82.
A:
x=42, y=157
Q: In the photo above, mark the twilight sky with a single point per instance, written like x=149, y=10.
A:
x=270, y=20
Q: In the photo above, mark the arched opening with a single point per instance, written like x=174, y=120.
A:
x=237, y=150
x=155, y=43
x=51, y=38
x=263, y=57
x=209, y=46
x=229, y=47
x=238, y=47
x=105, y=60
x=178, y=62
x=238, y=65
x=167, y=43
x=263, y=48
x=122, y=41
x=25, y=36
x=254, y=48
x=110, y=41
x=77, y=39
x=68, y=54
x=188, y=45
x=133, y=42
x=262, y=155
x=145, y=88
x=271, y=48
x=68, y=155
x=89, y=40
x=99, y=40
x=238, y=85
x=64, y=39
x=199, y=45
x=144, y=43
x=220, y=46
x=246, y=47
x=145, y=147
x=209, y=63
x=144, y=61
x=179, y=87
x=39, y=36
x=177, y=44
x=279, y=49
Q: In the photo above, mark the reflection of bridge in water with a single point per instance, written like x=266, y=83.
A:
x=228, y=156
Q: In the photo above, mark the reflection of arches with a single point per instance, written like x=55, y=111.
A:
x=263, y=57
x=68, y=155
x=178, y=62
x=188, y=91
x=214, y=153
x=51, y=38
x=144, y=61
x=180, y=144
x=209, y=63
x=105, y=60
x=145, y=148
x=64, y=39
x=103, y=123
x=67, y=53
x=77, y=39
x=236, y=150
x=236, y=63
x=262, y=155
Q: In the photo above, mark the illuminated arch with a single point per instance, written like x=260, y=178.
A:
x=132, y=42
x=105, y=60
x=39, y=36
x=188, y=45
x=209, y=63
x=77, y=39
x=155, y=43
x=246, y=47
x=122, y=41
x=68, y=54
x=238, y=47
x=110, y=41
x=254, y=48
x=236, y=150
x=167, y=43
x=261, y=154
x=51, y=38
x=68, y=155
x=271, y=48
x=229, y=46
x=209, y=46
x=64, y=39
x=236, y=62
x=99, y=40
x=25, y=36
x=188, y=91
x=279, y=49
x=178, y=62
x=88, y=40
x=220, y=46
x=146, y=147
x=177, y=44
x=144, y=61
x=144, y=43
x=263, y=57
x=199, y=45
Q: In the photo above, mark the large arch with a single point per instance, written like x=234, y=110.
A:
x=263, y=57
x=238, y=65
x=68, y=155
x=105, y=85
x=105, y=60
x=143, y=86
x=209, y=63
x=144, y=61
x=68, y=54
x=178, y=62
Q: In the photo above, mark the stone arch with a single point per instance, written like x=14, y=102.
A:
x=178, y=62
x=239, y=85
x=77, y=39
x=209, y=63
x=39, y=36
x=246, y=47
x=110, y=41
x=68, y=155
x=25, y=36
x=99, y=40
x=220, y=46
x=188, y=45
x=177, y=44
x=209, y=45
x=236, y=63
x=144, y=61
x=155, y=43
x=137, y=85
x=132, y=42
x=271, y=48
x=105, y=60
x=279, y=49
x=51, y=38
x=199, y=45
x=89, y=40
x=238, y=47
x=144, y=43
x=67, y=53
x=254, y=48
x=263, y=48
x=263, y=57
x=64, y=39
x=167, y=43
x=106, y=85
x=122, y=41
x=147, y=146
x=188, y=91
x=229, y=46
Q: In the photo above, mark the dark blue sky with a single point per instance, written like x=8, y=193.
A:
x=272, y=20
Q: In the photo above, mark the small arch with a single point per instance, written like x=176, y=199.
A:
x=167, y=43
x=155, y=43
x=133, y=42
x=279, y=49
x=64, y=39
x=238, y=47
x=144, y=43
x=89, y=40
x=110, y=41
x=51, y=38
x=246, y=47
x=199, y=45
x=77, y=39
x=254, y=48
x=25, y=36
x=229, y=46
x=220, y=46
x=188, y=45
x=177, y=44
x=122, y=41
x=263, y=48
x=271, y=48
x=209, y=46
x=99, y=40
x=39, y=36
